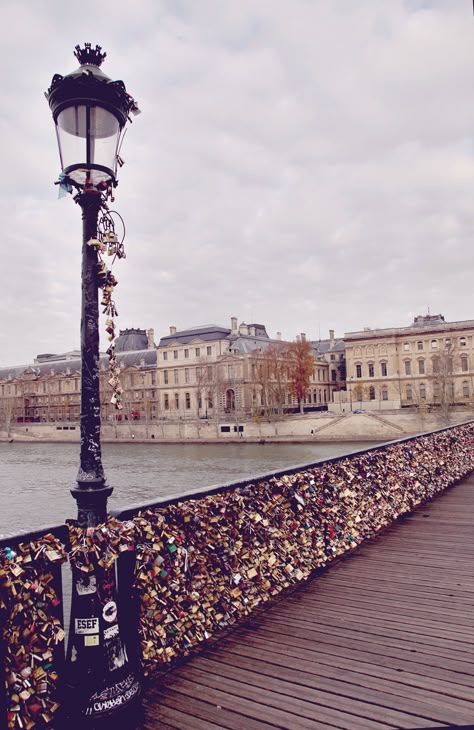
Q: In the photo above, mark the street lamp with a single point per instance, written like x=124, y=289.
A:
x=90, y=112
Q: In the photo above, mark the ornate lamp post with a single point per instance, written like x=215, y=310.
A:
x=90, y=112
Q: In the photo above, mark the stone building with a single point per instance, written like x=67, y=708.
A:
x=198, y=373
x=428, y=363
x=210, y=371
x=333, y=351
x=49, y=389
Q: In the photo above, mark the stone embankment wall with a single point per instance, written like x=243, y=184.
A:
x=205, y=563
x=383, y=426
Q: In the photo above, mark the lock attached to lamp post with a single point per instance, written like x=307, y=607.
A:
x=90, y=112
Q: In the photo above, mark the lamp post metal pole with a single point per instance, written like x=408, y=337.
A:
x=91, y=492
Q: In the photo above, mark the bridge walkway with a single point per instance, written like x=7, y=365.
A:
x=383, y=639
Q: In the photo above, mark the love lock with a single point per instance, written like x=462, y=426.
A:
x=97, y=244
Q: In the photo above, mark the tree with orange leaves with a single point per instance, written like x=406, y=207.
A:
x=301, y=366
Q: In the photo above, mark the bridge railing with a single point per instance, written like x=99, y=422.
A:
x=193, y=564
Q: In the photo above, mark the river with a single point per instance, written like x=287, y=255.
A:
x=35, y=478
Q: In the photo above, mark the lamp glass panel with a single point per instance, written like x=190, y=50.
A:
x=104, y=133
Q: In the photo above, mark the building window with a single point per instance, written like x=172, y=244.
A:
x=419, y=345
x=384, y=393
x=153, y=377
x=383, y=369
x=188, y=401
x=421, y=367
x=186, y=375
x=436, y=392
x=371, y=393
x=358, y=371
x=198, y=375
x=333, y=357
x=175, y=354
x=407, y=367
x=186, y=354
x=422, y=391
x=197, y=351
x=406, y=347
x=165, y=356
x=462, y=342
x=464, y=364
x=209, y=401
x=165, y=377
x=231, y=371
x=409, y=392
x=209, y=350
x=333, y=375
x=451, y=391
x=176, y=376
x=371, y=370
x=465, y=389
x=434, y=344
x=166, y=402
x=436, y=365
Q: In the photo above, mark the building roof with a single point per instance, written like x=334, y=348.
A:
x=134, y=358
x=422, y=324
x=206, y=333
x=131, y=339
x=321, y=347
x=250, y=343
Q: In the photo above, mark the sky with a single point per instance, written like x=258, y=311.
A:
x=304, y=164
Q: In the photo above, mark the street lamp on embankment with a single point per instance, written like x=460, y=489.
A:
x=90, y=112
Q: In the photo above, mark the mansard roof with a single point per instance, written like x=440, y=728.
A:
x=321, y=347
x=206, y=333
x=422, y=325
x=131, y=339
x=134, y=358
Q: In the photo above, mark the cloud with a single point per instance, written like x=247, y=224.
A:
x=305, y=165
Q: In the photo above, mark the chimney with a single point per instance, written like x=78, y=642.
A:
x=303, y=336
x=172, y=330
x=243, y=329
x=151, y=339
x=331, y=338
x=233, y=325
x=252, y=331
x=278, y=335
x=298, y=338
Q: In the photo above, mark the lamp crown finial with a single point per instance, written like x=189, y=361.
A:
x=89, y=55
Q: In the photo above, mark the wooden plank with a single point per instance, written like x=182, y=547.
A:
x=219, y=696
x=390, y=657
x=391, y=637
x=328, y=665
x=191, y=707
x=250, y=684
x=265, y=672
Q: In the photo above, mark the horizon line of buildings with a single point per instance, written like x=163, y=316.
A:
x=212, y=371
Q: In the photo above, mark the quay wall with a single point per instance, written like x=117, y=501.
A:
x=369, y=426
x=204, y=561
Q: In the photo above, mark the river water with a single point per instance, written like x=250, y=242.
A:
x=35, y=478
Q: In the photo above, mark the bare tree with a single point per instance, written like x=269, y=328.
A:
x=7, y=413
x=442, y=380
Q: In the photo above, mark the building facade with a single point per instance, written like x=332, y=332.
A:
x=429, y=363
x=207, y=372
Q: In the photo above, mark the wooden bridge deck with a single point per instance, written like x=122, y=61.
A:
x=384, y=639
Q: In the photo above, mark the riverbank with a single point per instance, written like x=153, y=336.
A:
x=316, y=428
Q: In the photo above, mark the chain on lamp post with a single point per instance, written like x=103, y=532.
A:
x=90, y=112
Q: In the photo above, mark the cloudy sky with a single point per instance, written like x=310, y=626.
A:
x=306, y=164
